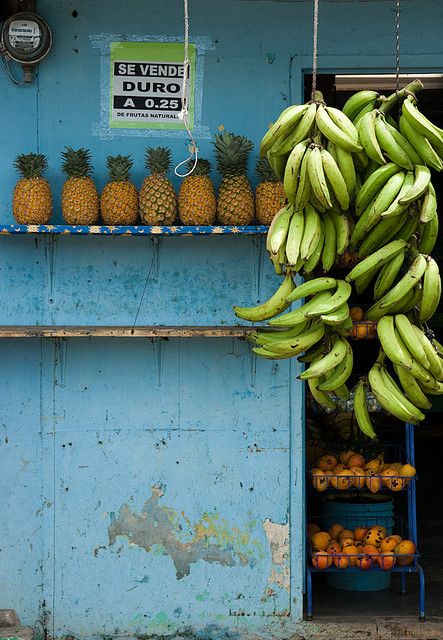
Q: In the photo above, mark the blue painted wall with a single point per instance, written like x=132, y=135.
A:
x=149, y=486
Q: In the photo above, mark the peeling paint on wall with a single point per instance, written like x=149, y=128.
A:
x=278, y=537
x=164, y=531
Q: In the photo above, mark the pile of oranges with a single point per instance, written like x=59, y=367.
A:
x=362, y=547
x=351, y=470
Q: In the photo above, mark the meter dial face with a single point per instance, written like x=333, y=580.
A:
x=24, y=36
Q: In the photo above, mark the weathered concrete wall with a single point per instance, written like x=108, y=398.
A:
x=149, y=487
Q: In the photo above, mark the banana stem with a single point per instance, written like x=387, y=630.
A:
x=318, y=97
x=381, y=357
x=413, y=87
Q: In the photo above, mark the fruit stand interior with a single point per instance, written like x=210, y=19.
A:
x=221, y=378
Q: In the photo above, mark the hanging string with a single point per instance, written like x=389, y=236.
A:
x=315, y=51
x=193, y=149
x=397, y=45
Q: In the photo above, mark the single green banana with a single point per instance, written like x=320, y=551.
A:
x=328, y=362
x=332, y=132
x=329, y=251
x=385, y=397
x=301, y=131
x=280, y=230
x=428, y=236
x=374, y=183
x=304, y=186
x=420, y=123
x=387, y=276
x=299, y=344
x=421, y=183
x=294, y=238
x=396, y=208
x=345, y=162
x=266, y=335
x=343, y=122
x=311, y=232
x=432, y=389
x=393, y=388
x=336, y=317
x=317, y=177
x=314, y=352
x=412, y=389
x=383, y=232
x=269, y=355
x=315, y=256
x=272, y=226
x=292, y=169
x=369, y=107
x=396, y=350
x=336, y=180
x=342, y=230
x=379, y=258
x=407, y=333
x=345, y=328
x=339, y=376
x=428, y=209
x=359, y=101
x=311, y=287
x=320, y=397
x=431, y=290
x=279, y=260
x=316, y=203
x=368, y=137
x=388, y=302
x=281, y=127
x=404, y=143
x=298, y=315
x=361, y=411
x=363, y=282
x=389, y=145
x=278, y=164
x=272, y=307
x=331, y=304
x=341, y=392
x=409, y=227
x=421, y=145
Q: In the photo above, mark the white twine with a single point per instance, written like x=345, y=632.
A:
x=315, y=51
x=193, y=149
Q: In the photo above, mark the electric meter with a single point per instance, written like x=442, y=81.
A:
x=25, y=38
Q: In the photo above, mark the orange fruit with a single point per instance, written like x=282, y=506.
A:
x=334, y=548
x=359, y=477
x=326, y=462
x=345, y=542
x=356, y=460
x=402, y=550
x=345, y=480
x=320, y=541
x=359, y=548
x=386, y=560
x=386, y=477
x=319, y=480
x=356, y=314
x=321, y=560
x=374, y=536
x=388, y=544
x=359, y=533
x=364, y=562
x=345, y=533
x=342, y=561
x=408, y=470
x=373, y=482
x=370, y=550
x=311, y=529
x=352, y=551
x=344, y=455
x=335, y=531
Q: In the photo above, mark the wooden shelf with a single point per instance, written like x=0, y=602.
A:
x=32, y=331
x=139, y=230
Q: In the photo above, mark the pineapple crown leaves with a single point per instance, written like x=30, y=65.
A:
x=76, y=163
x=202, y=168
x=232, y=153
x=158, y=159
x=31, y=165
x=119, y=168
x=264, y=171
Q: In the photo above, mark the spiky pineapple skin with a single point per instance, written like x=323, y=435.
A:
x=119, y=203
x=235, y=204
x=269, y=199
x=196, y=201
x=32, y=201
x=80, y=202
x=157, y=201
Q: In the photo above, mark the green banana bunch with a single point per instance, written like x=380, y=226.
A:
x=361, y=410
x=422, y=134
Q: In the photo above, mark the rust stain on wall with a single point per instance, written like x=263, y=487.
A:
x=159, y=529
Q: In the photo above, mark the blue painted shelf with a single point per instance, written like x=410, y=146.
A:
x=139, y=230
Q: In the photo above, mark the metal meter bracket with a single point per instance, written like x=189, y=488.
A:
x=25, y=38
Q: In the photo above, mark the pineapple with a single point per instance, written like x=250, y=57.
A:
x=196, y=199
x=158, y=201
x=119, y=199
x=79, y=195
x=32, y=201
x=269, y=195
x=235, y=200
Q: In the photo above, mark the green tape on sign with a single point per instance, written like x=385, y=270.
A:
x=147, y=85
